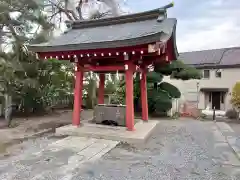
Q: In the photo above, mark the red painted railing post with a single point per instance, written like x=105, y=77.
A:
x=129, y=96
x=77, y=95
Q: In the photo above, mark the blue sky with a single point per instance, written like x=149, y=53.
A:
x=202, y=24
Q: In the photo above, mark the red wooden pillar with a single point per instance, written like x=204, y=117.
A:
x=77, y=95
x=101, y=88
x=144, y=101
x=129, y=97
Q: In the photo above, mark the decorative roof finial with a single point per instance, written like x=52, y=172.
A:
x=168, y=5
x=163, y=11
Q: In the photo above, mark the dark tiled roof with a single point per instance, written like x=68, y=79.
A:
x=127, y=30
x=212, y=58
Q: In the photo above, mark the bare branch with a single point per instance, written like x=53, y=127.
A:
x=98, y=15
x=69, y=13
x=54, y=14
x=79, y=9
x=113, y=5
x=35, y=33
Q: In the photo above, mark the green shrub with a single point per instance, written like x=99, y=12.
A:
x=235, y=99
x=203, y=116
x=158, y=101
x=232, y=114
x=172, y=90
x=164, y=69
x=153, y=77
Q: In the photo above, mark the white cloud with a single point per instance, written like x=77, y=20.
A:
x=219, y=36
x=201, y=25
x=217, y=27
x=205, y=24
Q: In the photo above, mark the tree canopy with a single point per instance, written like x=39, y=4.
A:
x=178, y=70
x=160, y=93
x=26, y=81
x=36, y=85
x=235, y=99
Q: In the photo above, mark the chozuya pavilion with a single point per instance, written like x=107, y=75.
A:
x=127, y=44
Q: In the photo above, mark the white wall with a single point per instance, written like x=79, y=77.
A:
x=189, y=88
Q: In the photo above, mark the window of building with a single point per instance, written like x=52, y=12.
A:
x=218, y=74
x=206, y=73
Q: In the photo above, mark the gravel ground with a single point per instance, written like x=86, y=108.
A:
x=177, y=150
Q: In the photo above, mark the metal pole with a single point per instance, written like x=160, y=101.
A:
x=197, y=94
x=214, y=114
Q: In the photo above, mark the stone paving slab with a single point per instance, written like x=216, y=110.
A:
x=61, y=158
x=230, y=137
x=87, y=148
x=141, y=133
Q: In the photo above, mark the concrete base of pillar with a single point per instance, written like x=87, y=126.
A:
x=142, y=131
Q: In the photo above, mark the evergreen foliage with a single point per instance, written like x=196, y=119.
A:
x=235, y=99
x=36, y=85
x=160, y=94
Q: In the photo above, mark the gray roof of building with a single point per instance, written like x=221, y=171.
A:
x=127, y=30
x=225, y=57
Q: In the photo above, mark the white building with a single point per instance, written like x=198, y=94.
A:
x=221, y=70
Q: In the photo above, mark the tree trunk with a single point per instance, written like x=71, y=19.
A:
x=1, y=37
x=79, y=9
x=93, y=91
x=155, y=86
x=93, y=95
x=8, y=109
